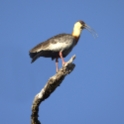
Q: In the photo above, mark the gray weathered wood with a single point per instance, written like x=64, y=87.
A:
x=50, y=86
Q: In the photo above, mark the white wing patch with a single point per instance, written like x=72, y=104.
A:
x=38, y=50
x=59, y=46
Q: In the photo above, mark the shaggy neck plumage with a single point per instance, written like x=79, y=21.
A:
x=76, y=31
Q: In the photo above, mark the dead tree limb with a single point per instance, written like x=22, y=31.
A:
x=50, y=86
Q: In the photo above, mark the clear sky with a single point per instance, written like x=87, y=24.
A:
x=93, y=93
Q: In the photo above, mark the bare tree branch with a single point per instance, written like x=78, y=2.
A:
x=50, y=86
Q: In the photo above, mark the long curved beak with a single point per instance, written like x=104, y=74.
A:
x=92, y=31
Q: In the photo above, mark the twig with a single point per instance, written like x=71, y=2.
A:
x=50, y=86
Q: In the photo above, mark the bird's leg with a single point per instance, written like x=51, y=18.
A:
x=57, y=67
x=61, y=56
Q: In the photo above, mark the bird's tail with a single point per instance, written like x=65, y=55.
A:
x=34, y=56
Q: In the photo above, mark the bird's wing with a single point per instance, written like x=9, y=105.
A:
x=55, y=43
x=39, y=47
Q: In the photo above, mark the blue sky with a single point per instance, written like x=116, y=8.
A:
x=93, y=93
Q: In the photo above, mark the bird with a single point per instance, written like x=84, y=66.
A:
x=61, y=45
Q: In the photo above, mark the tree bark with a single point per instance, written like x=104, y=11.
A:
x=50, y=86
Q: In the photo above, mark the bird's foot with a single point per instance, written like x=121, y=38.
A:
x=63, y=63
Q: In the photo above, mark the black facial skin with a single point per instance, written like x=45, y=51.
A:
x=83, y=24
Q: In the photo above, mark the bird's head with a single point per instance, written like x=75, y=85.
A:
x=79, y=26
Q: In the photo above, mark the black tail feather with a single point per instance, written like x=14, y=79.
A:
x=34, y=56
x=33, y=59
x=48, y=54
